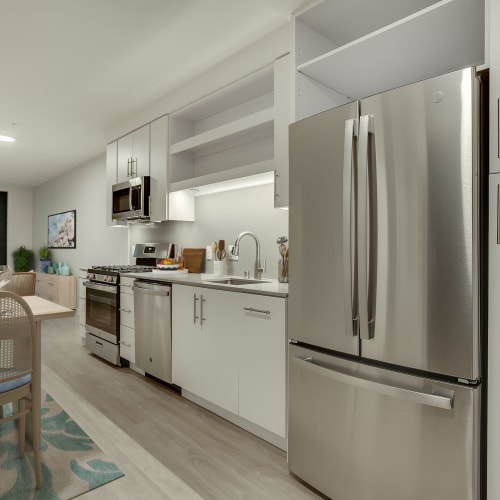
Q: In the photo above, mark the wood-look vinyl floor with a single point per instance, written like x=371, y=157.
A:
x=168, y=447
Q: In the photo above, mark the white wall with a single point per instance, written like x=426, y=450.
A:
x=255, y=56
x=19, y=220
x=83, y=189
x=223, y=216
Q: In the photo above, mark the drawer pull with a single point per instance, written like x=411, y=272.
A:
x=125, y=344
x=126, y=310
x=252, y=309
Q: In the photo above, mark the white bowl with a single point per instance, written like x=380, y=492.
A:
x=168, y=267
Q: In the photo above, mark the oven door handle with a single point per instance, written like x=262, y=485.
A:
x=100, y=287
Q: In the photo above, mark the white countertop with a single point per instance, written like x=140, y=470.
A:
x=268, y=286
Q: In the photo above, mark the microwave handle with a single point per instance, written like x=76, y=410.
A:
x=130, y=198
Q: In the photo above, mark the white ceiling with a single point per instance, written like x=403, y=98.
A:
x=72, y=68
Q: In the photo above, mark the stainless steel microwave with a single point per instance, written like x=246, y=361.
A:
x=131, y=199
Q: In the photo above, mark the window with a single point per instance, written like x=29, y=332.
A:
x=3, y=228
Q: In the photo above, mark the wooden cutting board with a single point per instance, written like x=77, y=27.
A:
x=194, y=259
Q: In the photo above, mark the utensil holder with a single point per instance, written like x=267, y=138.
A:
x=219, y=267
x=283, y=270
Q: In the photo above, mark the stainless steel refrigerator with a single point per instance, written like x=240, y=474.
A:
x=386, y=294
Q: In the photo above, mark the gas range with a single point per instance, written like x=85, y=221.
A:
x=111, y=274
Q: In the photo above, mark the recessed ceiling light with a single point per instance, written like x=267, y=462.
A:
x=6, y=138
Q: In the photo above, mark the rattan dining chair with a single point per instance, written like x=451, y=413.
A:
x=22, y=283
x=19, y=355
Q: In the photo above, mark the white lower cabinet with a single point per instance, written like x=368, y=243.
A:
x=260, y=324
x=203, y=346
x=229, y=349
x=127, y=332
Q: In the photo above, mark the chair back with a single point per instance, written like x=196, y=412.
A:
x=17, y=332
x=22, y=283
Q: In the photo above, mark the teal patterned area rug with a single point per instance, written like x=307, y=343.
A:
x=71, y=462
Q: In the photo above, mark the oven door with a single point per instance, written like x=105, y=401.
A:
x=103, y=311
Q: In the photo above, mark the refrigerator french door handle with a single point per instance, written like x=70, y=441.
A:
x=350, y=309
x=365, y=124
x=498, y=214
x=424, y=398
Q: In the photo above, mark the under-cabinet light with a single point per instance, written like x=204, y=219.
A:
x=6, y=138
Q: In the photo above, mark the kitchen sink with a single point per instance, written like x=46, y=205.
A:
x=236, y=281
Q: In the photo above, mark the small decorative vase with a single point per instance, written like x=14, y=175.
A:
x=65, y=271
x=44, y=265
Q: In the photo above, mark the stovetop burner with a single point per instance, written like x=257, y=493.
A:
x=132, y=268
x=111, y=274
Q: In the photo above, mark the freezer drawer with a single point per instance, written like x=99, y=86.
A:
x=362, y=433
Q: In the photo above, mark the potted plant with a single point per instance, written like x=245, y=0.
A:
x=23, y=258
x=44, y=253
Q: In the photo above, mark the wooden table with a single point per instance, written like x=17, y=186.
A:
x=42, y=309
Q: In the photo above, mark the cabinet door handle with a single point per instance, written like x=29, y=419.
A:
x=126, y=310
x=202, y=319
x=133, y=171
x=128, y=166
x=252, y=309
x=125, y=344
x=195, y=299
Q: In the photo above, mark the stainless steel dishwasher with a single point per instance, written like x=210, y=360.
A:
x=153, y=328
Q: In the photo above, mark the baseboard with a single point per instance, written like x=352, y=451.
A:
x=257, y=430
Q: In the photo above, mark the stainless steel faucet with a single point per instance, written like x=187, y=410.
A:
x=258, y=269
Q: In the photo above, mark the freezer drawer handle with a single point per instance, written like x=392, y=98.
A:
x=445, y=402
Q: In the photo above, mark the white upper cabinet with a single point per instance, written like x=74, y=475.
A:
x=238, y=132
x=158, y=169
x=145, y=152
x=350, y=49
x=133, y=154
x=111, y=175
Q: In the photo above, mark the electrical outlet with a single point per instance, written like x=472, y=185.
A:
x=209, y=255
x=230, y=255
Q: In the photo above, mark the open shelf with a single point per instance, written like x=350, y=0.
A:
x=234, y=137
x=225, y=132
x=442, y=37
x=203, y=182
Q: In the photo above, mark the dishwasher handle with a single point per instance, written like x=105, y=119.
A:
x=161, y=290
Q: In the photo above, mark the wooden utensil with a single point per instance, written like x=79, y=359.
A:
x=221, y=253
x=284, y=271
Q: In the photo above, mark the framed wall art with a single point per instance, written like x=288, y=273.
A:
x=62, y=230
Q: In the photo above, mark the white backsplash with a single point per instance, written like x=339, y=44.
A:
x=223, y=216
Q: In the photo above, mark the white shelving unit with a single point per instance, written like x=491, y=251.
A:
x=394, y=43
x=228, y=138
x=229, y=131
